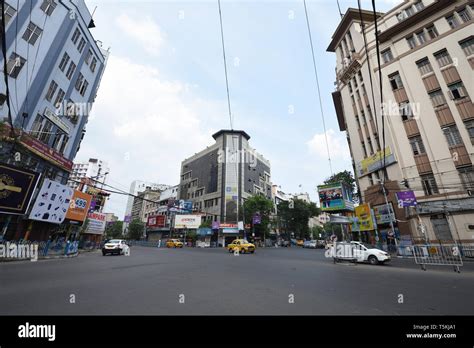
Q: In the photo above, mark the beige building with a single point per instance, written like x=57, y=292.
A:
x=427, y=61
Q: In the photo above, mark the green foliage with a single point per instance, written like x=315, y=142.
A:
x=191, y=235
x=295, y=219
x=316, y=231
x=257, y=204
x=135, y=229
x=114, y=230
x=345, y=177
x=206, y=224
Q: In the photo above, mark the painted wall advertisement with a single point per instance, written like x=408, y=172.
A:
x=364, y=217
x=52, y=202
x=334, y=197
x=16, y=189
x=375, y=162
x=96, y=224
x=79, y=206
x=187, y=221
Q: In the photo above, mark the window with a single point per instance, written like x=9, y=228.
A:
x=464, y=15
x=359, y=74
x=424, y=66
x=429, y=184
x=79, y=81
x=387, y=55
x=452, y=21
x=48, y=6
x=437, y=98
x=9, y=13
x=467, y=46
x=14, y=64
x=470, y=129
x=452, y=135
x=467, y=177
x=419, y=5
x=355, y=82
x=432, y=32
x=457, y=91
x=81, y=46
x=71, y=112
x=411, y=41
x=395, y=81
x=93, y=64
x=417, y=145
x=64, y=61
x=405, y=111
x=70, y=70
x=443, y=58
x=59, y=99
x=421, y=37
x=358, y=122
x=364, y=149
x=409, y=11
x=350, y=86
x=88, y=57
x=51, y=90
x=76, y=35
x=84, y=88
x=370, y=146
x=60, y=141
x=32, y=33
x=41, y=129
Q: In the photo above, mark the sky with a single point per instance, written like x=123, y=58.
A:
x=163, y=93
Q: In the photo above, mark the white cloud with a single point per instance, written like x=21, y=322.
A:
x=144, y=126
x=338, y=148
x=144, y=30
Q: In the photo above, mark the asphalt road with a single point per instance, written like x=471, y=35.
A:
x=152, y=282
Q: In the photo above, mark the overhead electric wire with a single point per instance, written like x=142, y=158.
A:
x=317, y=85
x=225, y=66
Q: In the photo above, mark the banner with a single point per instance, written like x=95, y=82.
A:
x=406, y=199
x=364, y=216
x=52, y=202
x=79, y=206
x=375, y=162
x=187, y=221
x=156, y=221
x=16, y=189
x=96, y=224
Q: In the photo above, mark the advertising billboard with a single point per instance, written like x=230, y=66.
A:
x=334, y=197
x=16, y=189
x=187, y=221
x=79, y=206
x=364, y=217
x=406, y=199
x=52, y=202
x=384, y=214
x=156, y=221
x=96, y=224
x=375, y=162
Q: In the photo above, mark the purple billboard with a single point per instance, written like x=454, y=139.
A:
x=406, y=199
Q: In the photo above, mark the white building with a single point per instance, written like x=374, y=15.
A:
x=55, y=66
x=95, y=169
x=427, y=61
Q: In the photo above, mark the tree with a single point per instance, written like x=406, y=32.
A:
x=346, y=177
x=295, y=216
x=258, y=204
x=206, y=224
x=135, y=229
x=114, y=229
x=316, y=231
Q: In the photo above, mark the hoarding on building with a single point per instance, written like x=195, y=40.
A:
x=96, y=223
x=79, y=206
x=52, y=202
x=384, y=214
x=16, y=189
x=334, y=197
x=156, y=221
x=364, y=217
x=187, y=221
x=375, y=162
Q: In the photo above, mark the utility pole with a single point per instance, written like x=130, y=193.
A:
x=390, y=212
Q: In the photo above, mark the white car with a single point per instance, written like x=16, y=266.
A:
x=367, y=253
x=116, y=246
x=309, y=244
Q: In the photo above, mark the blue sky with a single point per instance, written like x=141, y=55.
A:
x=163, y=92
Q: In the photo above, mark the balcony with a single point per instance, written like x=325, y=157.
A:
x=350, y=66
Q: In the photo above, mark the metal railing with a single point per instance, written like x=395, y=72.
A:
x=438, y=255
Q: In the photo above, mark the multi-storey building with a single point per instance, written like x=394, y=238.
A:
x=219, y=178
x=54, y=67
x=427, y=62
x=94, y=169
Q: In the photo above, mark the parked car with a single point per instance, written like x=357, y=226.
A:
x=285, y=243
x=300, y=242
x=174, y=243
x=360, y=252
x=320, y=243
x=242, y=246
x=115, y=246
x=309, y=244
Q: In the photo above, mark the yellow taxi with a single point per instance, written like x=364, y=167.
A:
x=174, y=243
x=300, y=242
x=241, y=246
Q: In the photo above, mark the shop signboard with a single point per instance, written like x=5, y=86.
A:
x=52, y=202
